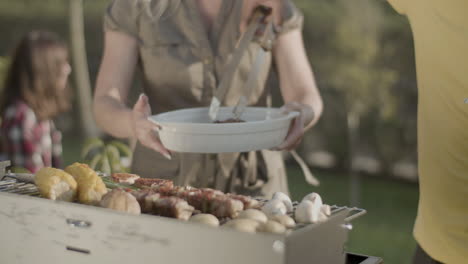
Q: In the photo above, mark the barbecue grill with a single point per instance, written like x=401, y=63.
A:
x=36, y=229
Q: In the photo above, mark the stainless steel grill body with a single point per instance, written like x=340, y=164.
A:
x=37, y=230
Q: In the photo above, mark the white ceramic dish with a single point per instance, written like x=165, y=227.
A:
x=191, y=130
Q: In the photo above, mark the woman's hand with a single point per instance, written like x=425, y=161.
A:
x=298, y=124
x=144, y=130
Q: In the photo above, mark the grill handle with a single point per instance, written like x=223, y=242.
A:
x=22, y=177
x=353, y=211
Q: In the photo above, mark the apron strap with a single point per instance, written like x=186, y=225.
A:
x=309, y=177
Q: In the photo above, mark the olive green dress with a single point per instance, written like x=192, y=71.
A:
x=181, y=65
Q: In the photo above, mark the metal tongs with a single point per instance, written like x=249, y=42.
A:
x=260, y=30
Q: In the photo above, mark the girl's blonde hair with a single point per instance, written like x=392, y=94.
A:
x=36, y=65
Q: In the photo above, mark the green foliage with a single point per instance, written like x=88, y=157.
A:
x=350, y=50
x=362, y=55
x=19, y=170
x=106, y=157
x=4, y=62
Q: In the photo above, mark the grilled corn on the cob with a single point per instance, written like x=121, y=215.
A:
x=56, y=184
x=91, y=188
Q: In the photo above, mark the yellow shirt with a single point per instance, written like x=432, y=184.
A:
x=440, y=29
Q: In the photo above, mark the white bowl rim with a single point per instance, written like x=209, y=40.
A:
x=259, y=125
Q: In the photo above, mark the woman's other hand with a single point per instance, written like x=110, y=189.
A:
x=144, y=130
x=298, y=87
x=298, y=124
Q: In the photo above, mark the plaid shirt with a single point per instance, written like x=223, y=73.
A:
x=28, y=142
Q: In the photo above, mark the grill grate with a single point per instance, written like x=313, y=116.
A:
x=354, y=212
x=9, y=183
x=13, y=186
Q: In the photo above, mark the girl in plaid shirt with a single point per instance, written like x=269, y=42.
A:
x=35, y=91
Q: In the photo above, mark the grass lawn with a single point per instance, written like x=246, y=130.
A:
x=385, y=231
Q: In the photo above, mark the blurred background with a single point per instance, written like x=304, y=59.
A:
x=364, y=148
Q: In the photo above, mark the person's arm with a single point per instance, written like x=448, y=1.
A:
x=298, y=86
x=112, y=86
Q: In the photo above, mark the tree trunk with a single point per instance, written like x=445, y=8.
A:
x=353, y=143
x=80, y=69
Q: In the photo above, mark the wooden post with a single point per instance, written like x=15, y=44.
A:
x=80, y=69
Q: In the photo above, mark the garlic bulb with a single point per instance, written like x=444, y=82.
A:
x=307, y=212
x=326, y=209
x=120, y=200
x=312, y=210
x=274, y=207
x=285, y=199
x=325, y=212
x=313, y=197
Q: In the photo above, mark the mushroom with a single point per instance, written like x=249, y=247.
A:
x=207, y=219
x=285, y=199
x=253, y=214
x=274, y=207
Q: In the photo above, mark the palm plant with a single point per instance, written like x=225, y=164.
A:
x=107, y=157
